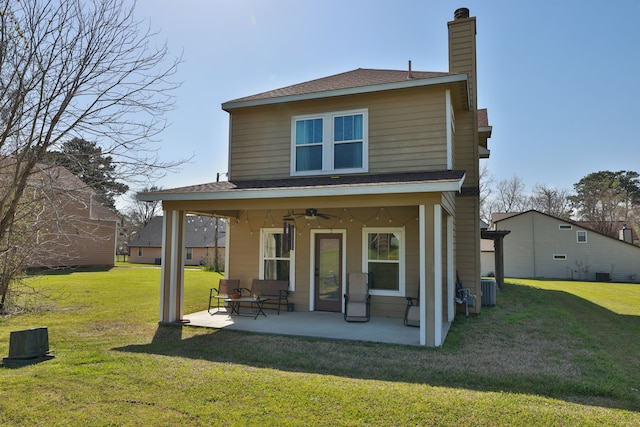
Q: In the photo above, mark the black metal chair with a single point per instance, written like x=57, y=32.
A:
x=412, y=312
x=225, y=288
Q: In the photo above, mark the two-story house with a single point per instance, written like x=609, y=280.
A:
x=370, y=171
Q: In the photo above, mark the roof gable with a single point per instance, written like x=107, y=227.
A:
x=361, y=80
x=576, y=224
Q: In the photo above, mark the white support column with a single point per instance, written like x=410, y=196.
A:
x=437, y=276
x=451, y=307
x=423, y=274
x=172, y=281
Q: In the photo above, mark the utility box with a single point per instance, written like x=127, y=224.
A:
x=27, y=345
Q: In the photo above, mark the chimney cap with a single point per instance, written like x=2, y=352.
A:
x=461, y=13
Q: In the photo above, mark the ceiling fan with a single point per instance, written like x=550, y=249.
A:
x=308, y=214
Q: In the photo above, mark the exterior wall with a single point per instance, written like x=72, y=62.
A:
x=487, y=257
x=535, y=238
x=244, y=250
x=67, y=231
x=150, y=255
x=407, y=132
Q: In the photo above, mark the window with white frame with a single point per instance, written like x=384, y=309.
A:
x=329, y=143
x=383, y=260
x=581, y=236
x=139, y=250
x=189, y=254
x=277, y=259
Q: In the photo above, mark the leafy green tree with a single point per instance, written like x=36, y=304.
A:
x=604, y=198
x=87, y=161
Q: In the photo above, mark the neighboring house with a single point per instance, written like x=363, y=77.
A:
x=543, y=246
x=487, y=258
x=372, y=171
x=200, y=241
x=62, y=221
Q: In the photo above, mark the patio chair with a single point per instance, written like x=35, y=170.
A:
x=412, y=312
x=357, y=300
x=225, y=288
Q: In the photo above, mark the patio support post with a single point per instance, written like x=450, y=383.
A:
x=499, y=260
x=172, y=277
x=451, y=308
x=423, y=273
x=430, y=275
x=434, y=333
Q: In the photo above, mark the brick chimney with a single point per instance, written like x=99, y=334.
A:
x=462, y=49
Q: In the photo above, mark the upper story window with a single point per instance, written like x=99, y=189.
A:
x=330, y=143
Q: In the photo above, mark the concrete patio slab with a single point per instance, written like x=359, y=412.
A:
x=311, y=324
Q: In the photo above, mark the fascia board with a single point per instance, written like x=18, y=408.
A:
x=275, y=193
x=350, y=91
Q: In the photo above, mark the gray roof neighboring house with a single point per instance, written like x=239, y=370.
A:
x=200, y=233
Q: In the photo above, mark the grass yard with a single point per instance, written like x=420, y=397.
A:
x=550, y=353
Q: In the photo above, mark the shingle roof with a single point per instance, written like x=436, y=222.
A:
x=361, y=77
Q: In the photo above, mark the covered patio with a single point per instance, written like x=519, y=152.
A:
x=315, y=324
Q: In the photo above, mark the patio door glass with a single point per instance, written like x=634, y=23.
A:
x=328, y=272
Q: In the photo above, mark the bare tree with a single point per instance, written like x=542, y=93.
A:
x=551, y=201
x=83, y=69
x=141, y=213
x=486, y=191
x=510, y=196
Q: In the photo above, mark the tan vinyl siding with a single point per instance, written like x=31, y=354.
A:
x=406, y=126
x=468, y=243
x=244, y=252
x=466, y=148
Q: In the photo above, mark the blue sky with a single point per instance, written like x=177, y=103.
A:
x=559, y=78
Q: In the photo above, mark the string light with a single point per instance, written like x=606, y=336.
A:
x=383, y=215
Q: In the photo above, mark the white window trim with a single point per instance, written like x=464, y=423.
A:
x=578, y=236
x=188, y=254
x=328, y=143
x=365, y=260
x=292, y=257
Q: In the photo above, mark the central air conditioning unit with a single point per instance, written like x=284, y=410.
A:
x=488, y=288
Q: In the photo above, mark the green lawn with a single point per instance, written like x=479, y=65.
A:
x=550, y=353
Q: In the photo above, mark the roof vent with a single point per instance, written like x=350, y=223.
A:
x=461, y=13
x=410, y=75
